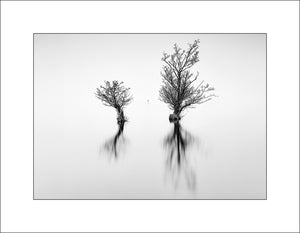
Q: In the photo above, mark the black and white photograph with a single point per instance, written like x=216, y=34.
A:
x=149, y=116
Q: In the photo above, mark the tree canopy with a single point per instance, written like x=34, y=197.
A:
x=114, y=94
x=177, y=89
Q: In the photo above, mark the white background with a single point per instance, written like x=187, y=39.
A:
x=279, y=213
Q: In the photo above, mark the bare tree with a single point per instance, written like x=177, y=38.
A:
x=177, y=89
x=115, y=95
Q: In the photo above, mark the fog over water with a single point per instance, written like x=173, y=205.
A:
x=81, y=153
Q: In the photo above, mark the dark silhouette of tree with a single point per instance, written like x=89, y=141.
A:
x=177, y=89
x=114, y=94
x=177, y=142
x=112, y=144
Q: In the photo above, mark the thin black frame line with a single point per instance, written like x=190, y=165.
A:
x=151, y=33
x=0, y=119
x=266, y=116
x=151, y=0
x=142, y=199
x=33, y=115
x=128, y=199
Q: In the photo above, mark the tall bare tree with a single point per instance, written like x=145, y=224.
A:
x=115, y=95
x=178, y=90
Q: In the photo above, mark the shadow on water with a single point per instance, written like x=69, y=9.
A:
x=113, y=145
x=177, y=142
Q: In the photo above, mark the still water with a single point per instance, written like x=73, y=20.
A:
x=151, y=160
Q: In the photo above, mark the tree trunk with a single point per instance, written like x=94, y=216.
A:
x=121, y=117
x=174, y=118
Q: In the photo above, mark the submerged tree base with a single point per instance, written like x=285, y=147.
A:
x=173, y=118
x=121, y=121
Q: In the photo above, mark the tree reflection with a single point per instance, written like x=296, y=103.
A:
x=177, y=142
x=113, y=145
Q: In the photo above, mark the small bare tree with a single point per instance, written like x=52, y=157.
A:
x=177, y=89
x=115, y=95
